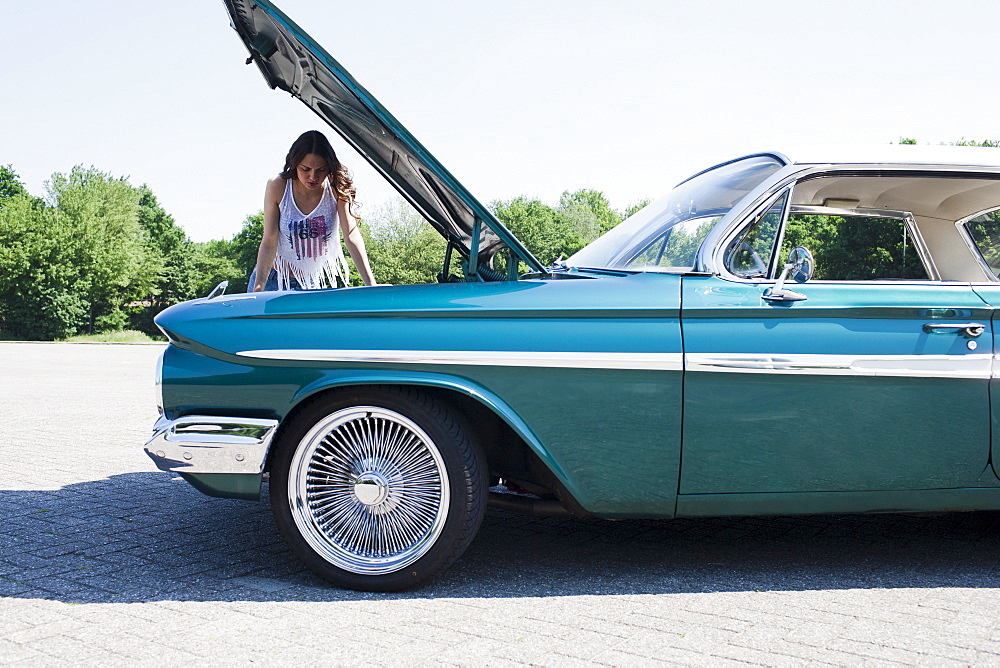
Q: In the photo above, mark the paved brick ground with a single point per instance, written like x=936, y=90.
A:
x=104, y=560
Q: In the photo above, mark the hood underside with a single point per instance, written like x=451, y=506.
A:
x=290, y=60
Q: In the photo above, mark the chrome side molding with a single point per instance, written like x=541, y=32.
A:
x=523, y=358
x=972, y=366
x=209, y=444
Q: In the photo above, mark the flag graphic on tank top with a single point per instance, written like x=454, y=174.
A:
x=308, y=237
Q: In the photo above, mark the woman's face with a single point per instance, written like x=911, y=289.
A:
x=312, y=171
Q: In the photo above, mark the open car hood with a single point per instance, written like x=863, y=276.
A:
x=290, y=60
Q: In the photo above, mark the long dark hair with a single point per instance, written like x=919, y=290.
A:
x=316, y=142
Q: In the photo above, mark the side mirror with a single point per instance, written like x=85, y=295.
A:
x=800, y=267
x=802, y=264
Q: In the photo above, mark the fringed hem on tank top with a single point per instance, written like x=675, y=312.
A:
x=325, y=275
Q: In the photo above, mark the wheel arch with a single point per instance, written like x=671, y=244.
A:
x=510, y=446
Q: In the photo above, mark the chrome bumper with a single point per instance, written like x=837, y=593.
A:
x=206, y=444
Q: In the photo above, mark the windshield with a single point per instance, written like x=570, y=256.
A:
x=666, y=234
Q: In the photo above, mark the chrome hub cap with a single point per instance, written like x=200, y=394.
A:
x=368, y=490
x=371, y=489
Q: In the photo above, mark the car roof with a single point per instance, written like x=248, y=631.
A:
x=894, y=154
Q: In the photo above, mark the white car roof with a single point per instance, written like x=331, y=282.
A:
x=895, y=154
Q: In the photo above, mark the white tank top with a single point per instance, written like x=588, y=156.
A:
x=309, y=244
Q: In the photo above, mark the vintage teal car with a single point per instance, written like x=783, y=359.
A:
x=778, y=334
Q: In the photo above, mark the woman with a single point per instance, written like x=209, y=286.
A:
x=304, y=208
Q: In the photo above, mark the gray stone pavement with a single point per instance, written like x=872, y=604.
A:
x=105, y=560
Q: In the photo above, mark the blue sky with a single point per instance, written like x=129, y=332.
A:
x=514, y=97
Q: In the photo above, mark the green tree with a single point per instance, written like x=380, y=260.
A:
x=588, y=213
x=228, y=260
x=535, y=224
x=10, y=183
x=163, y=233
x=854, y=248
x=242, y=250
x=550, y=233
x=41, y=297
x=189, y=270
x=177, y=275
x=403, y=247
x=97, y=255
x=213, y=262
x=111, y=250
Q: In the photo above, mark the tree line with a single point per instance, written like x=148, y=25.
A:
x=97, y=254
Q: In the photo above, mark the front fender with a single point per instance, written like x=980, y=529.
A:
x=332, y=380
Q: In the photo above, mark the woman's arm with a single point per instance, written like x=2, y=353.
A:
x=355, y=243
x=269, y=241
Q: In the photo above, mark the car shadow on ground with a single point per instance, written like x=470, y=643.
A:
x=142, y=537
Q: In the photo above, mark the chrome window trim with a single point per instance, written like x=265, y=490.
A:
x=790, y=209
x=774, y=265
x=922, y=250
x=973, y=366
x=886, y=281
x=511, y=358
x=710, y=257
x=757, y=211
x=963, y=231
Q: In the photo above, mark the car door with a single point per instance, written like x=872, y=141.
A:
x=866, y=382
x=982, y=233
x=991, y=294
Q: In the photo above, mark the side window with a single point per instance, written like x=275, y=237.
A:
x=750, y=255
x=853, y=248
x=985, y=232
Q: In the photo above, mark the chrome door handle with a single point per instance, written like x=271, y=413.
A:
x=972, y=329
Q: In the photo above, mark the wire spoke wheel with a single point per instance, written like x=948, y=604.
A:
x=378, y=491
x=370, y=490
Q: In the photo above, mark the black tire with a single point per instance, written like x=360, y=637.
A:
x=377, y=489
